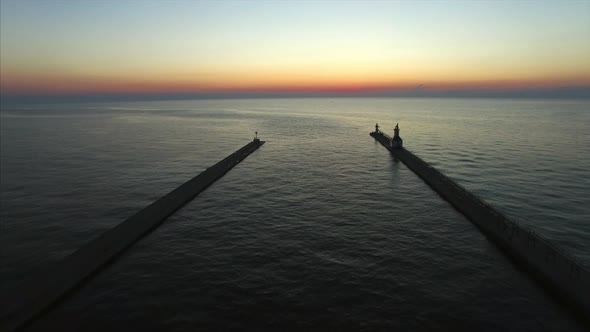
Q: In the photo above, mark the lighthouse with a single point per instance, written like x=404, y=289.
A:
x=396, y=141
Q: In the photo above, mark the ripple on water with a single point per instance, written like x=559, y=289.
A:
x=319, y=229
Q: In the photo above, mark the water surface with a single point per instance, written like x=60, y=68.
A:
x=319, y=229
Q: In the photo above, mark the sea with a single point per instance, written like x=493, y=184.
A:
x=320, y=229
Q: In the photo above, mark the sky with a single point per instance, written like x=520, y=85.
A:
x=249, y=48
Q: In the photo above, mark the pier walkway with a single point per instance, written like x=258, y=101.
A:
x=32, y=297
x=556, y=269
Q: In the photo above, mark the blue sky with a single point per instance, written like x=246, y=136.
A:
x=82, y=47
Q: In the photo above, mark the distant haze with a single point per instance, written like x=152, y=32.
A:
x=93, y=50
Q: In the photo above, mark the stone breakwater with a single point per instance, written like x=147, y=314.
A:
x=557, y=270
x=21, y=304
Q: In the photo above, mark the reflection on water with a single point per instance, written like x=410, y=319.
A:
x=320, y=228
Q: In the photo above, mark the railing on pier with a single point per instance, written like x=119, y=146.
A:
x=478, y=200
x=559, y=269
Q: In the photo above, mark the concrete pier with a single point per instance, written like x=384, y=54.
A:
x=548, y=264
x=32, y=297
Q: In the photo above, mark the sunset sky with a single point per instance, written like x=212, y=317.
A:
x=168, y=47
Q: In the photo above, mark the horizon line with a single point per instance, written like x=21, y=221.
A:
x=571, y=92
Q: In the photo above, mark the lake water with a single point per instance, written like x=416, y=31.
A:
x=319, y=229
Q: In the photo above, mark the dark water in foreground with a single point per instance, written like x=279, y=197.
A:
x=319, y=229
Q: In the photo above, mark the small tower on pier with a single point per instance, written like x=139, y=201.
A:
x=256, y=139
x=396, y=141
x=376, y=128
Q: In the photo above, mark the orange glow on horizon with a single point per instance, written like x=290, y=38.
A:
x=19, y=84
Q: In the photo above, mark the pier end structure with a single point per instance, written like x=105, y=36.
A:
x=565, y=277
x=20, y=305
